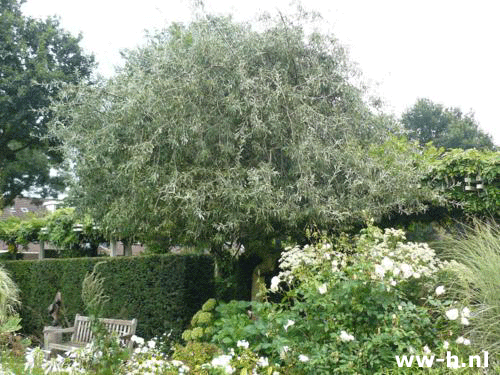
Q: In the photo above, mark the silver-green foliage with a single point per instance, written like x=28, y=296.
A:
x=9, y=300
x=214, y=131
x=9, y=295
x=93, y=295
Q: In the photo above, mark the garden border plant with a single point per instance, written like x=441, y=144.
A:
x=348, y=306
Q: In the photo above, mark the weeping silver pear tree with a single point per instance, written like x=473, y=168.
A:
x=220, y=132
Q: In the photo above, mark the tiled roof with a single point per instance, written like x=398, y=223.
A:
x=22, y=206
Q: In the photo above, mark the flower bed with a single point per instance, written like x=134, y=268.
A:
x=347, y=306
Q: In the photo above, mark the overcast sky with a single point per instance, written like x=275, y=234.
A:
x=444, y=50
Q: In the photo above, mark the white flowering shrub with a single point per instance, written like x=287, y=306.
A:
x=147, y=358
x=241, y=360
x=350, y=306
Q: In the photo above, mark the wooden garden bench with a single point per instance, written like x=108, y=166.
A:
x=82, y=333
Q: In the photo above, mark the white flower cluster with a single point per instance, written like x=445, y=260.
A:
x=286, y=351
x=303, y=358
x=346, y=337
x=393, y=259
x=34, y=358
x=440, y=290
x=453, y=314
x=142, y=346
x=223, y=362
x=399, y=261
x=462, y=340
x=295, y=259
x=243, y=344
x=147, y=359
x=389, y=236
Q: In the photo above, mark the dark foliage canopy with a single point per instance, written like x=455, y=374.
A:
x=35, y=55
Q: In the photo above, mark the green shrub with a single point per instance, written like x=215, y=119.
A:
x=201, y=328
x=348, y=306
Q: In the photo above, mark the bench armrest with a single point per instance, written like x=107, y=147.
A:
x=48, y=335
x=58, y=330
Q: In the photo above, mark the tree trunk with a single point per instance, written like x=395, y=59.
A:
x=268, y=264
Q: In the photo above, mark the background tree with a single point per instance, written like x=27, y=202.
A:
x=34, y=56
x=445, y=127
x=215, y=132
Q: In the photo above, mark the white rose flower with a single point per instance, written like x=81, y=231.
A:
x=322, y=289
x=303, y=358
x=446, y=345
x=138, y=340
x=387, y=263
x=263, y=362
x=466, y=312
x=452, y=314
x=460, y=340
x=440, y=290
x=223, y=361
x=407, y=270
x=242, y=344
x=275, y=282
x=464, y=321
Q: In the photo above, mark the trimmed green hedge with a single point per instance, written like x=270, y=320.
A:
x=161, y=291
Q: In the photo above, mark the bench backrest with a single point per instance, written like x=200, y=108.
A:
x=83, y=331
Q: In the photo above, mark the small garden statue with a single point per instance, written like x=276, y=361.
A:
x=54, y=309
